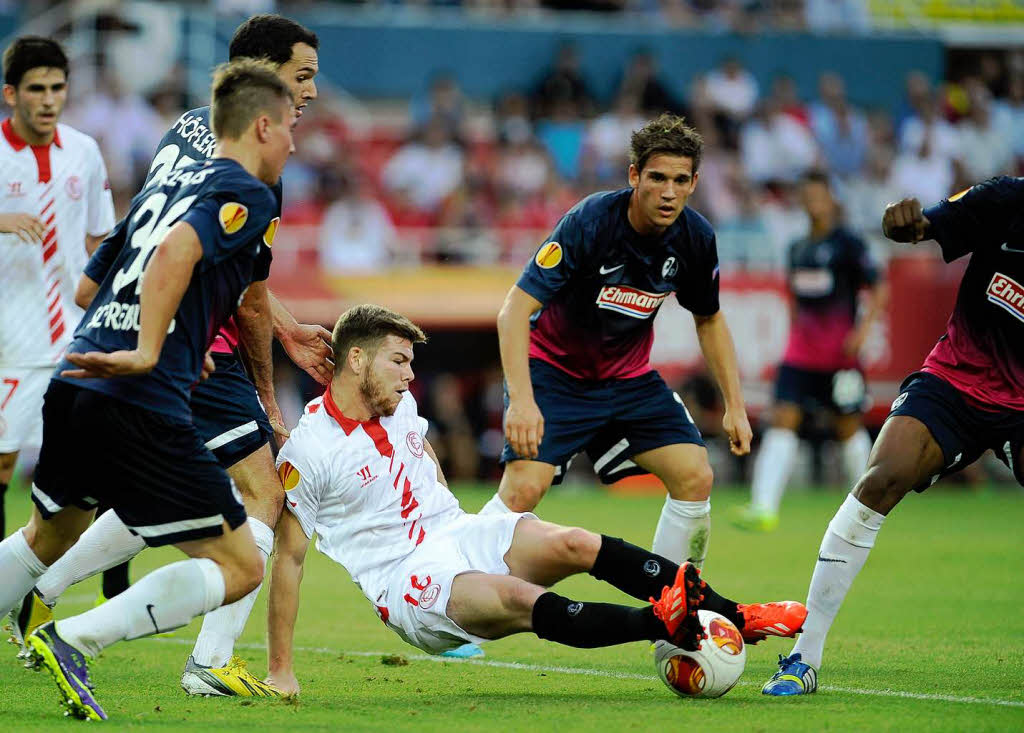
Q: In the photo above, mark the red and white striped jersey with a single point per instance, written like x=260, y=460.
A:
x=65, y=185
x=368, y=489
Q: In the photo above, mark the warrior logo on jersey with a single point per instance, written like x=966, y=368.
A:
x=233, y=217
x=548, y=256
x=1008, y=294
x=268, y=236
x=629, y=301
x=289, y=476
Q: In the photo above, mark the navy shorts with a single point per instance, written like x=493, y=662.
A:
x=962, y=430
x=844, y=391
x=611, y=419
x=151, y=469
x=228, y=414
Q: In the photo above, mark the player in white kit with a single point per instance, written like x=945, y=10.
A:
x=359, y=472
x=55, y=209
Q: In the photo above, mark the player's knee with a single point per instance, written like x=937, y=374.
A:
x=694, y=485
x=577, y=548
x=882, y=487
x=7, y=461
x=524, y=494
x=243, y=576
x=517, y=601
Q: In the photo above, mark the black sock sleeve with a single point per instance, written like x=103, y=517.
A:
x=590, y=625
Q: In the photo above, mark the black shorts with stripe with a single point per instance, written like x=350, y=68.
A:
x=228, y=414
x=154, y=471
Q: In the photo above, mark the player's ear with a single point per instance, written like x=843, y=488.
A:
x=262, y=123
x=693, y=182
x=634, y=175
x=356, y=359
x=10, y=95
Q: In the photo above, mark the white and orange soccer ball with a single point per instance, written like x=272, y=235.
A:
x=712, y=670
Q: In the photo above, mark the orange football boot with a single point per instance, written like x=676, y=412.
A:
x=780, y=618
x=677, y=608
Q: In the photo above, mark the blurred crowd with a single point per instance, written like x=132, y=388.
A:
x=451, y=179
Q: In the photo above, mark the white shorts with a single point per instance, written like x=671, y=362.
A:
x=21, y=406
x=416, y=603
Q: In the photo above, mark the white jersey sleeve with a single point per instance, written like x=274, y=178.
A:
x=303, y=477
x=100, y=201
x=408, y=408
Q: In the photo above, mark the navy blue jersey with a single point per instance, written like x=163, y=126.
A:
x=229, y=210
x=982, y=351
x=825, y=276
x=189, y=139
x=601, y=284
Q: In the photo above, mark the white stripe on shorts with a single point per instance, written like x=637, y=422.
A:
x=611, y=455
x=159, y=530
x=45, y=500
x=234, y=433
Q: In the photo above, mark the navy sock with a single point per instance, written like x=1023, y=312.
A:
x=590, y=625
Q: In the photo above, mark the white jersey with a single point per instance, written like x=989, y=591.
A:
x=65, y=185
x=369, y=490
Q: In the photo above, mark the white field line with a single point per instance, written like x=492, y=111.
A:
x=933, y=697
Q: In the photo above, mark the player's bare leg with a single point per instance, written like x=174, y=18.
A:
x=7, y=461
x=772, y=469
x=905, y=456
x=523, y=485
x=685, y=523
x=855, y=444
x=263, y=496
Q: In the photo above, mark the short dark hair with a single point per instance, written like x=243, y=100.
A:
x=32, y=52
x=241, y=91
x=270, y=37
x=366, y=326
x=668, y=134
x=817, y=176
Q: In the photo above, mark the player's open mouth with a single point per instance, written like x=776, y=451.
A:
x=667, y=210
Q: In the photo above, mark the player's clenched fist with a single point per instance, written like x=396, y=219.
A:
x=27, y=227
x=524, y=427
x=904, y=221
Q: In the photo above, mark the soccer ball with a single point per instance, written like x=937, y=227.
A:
x=712, y=670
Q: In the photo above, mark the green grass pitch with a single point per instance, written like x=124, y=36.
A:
x=931, y=637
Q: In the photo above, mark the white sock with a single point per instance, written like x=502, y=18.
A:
x=495, y=506
x=848, y=540
x=683, y=530
x=772, y=469
x=165, y=599
x=221, y=628
x=19, y=568
x=856, y=450
x=106, y=543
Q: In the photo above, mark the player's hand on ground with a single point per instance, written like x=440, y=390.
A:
x=737, y=427
x=115, y=364
x=310, y=348
x=286, y=683
x=524, y=428
x=904, y=221
x=27, y=227
x=209, y=367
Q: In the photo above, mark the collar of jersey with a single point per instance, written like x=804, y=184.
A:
x=18, y=143
x=347, y=424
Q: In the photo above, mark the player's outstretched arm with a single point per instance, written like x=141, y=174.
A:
x=904, y=221
x=283, y=606
x=309, y=346
x=86, y=291
x=720, y=356
x=256, y=334
x=164, y=282
x=524, y=424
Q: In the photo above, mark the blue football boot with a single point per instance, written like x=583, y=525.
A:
x=70, y=672
x=793, y=678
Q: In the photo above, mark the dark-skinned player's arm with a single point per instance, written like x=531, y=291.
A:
x=256, y=336
x=290, y=546
x=904, y=221
x=165, y=280
x=433, y=456
x=720, y=355
x=524, y=424
x=309, y=346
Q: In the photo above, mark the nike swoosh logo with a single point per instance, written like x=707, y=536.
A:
x=149, y=610
x=830, y=559
x=603, y=271
x=1008, y=248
